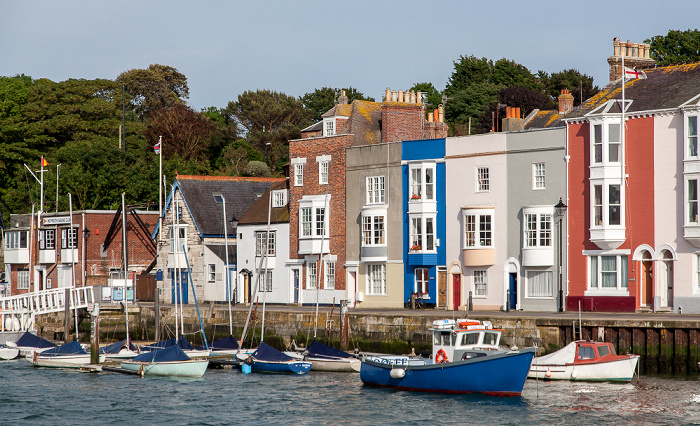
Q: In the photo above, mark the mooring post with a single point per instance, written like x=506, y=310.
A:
x=66, y=316
x=95, y=334
x=344, y=324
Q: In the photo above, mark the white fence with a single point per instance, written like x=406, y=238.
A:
x=18, y=312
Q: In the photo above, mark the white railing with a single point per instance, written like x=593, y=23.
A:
x=19, y=312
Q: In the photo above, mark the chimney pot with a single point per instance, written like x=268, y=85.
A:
x=387, y=95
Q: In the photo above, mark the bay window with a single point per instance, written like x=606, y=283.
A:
x=261, y=241
x=373, y=230
x=538, y=230
x=422, y=182
x=478, y=225
x=15, y=239
x=422, y=233
x=607, y=205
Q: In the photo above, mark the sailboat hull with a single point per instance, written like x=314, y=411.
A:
x=190, y=368
x=281, y=367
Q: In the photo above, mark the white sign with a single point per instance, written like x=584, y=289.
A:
x=59, y=220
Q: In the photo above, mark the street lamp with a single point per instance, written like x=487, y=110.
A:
x=560, y=210
x=267, y=147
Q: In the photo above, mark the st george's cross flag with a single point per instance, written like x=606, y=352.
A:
x=634, y=74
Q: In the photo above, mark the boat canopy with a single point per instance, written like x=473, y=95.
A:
x=563, y=356
x=72, y=348
x=114, y=348
x=181, y=342
x=318, y=348
x=226, y=343
x=29, y=340
x=266, y=352
x=171, y=353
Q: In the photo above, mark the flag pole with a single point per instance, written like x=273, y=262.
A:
x=623, y=51
x=160, y=189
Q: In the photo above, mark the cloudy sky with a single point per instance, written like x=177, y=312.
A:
x=227, y=47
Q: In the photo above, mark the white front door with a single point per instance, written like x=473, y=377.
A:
x=65, y=276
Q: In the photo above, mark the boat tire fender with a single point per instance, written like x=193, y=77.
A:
x=441, y=356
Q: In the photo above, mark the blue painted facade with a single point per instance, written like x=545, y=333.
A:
x=427, y=158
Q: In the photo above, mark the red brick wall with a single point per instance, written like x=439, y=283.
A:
x=401, y=122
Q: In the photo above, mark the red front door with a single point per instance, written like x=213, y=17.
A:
x=456, y=291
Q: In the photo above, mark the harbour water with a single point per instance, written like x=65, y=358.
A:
x=54, y=396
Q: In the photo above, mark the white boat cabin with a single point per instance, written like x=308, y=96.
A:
x=463, y=339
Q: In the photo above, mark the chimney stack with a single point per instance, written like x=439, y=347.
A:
x=566, y=101
x=342, y=100
x=636, y=56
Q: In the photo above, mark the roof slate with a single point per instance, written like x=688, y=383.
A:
x=364, y=123
x=239, y=192
x=545, y=120
x=257, y=213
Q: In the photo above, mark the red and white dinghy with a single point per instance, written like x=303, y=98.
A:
x=584, y=360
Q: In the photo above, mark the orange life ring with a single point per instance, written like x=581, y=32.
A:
x=441, y=356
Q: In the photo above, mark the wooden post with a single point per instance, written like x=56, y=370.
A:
x=95, y=334
x=156, y=315
x=344, y=324
x=66, y=316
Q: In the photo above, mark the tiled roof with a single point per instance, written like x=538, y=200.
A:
x=239, y=192
x=364, y=122
x=339, y=110
x=664, y=88
x=545, y=120
x=257, y=213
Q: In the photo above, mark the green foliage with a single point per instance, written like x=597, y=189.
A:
x=14, y=92
x=257, y=168
x=157, y=87
x=676, y=47
x=580, y=85
x=185, y=133
x=470, y=102
x=508, y=73
x=434, y=98
x=467, y=71
x=321, y=100
x=517, y=96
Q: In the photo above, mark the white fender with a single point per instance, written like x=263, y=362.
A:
x=397, y=373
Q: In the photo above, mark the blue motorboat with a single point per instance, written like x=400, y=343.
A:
x=267, y=359
x=466, y=358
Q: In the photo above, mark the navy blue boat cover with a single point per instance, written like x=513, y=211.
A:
x=266, y=352
x=72, y=348
x=114, y=348
x=226, y=343
x=171, y=353
x=31, y=341
x=318, y=348
x=181, y=342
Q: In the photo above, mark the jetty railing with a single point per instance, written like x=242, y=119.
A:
x=18, y=313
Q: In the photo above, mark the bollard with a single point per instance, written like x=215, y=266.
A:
x=508, y=300
x=95, y=334
x=471, y=307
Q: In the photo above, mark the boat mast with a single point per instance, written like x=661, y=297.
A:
x=71, y=241
x=326, y=213
x=182, y=302
x=228, y=282
x=175, y=256
x=125, y=261
x=266, y=248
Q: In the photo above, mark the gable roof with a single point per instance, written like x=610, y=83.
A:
x=364, y=122
x=545, y=120
x=664, y=88
x=257, y=213
x=343, y=110
x=239, y=192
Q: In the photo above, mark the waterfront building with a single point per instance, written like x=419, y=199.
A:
x=634, y=233
x=192, y=248
x=52, y=250
x=271, y=272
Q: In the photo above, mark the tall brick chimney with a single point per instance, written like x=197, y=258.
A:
x=512, y=122
x=566, y=101
x=636, y=56
x=342, y=99
x=402, y=117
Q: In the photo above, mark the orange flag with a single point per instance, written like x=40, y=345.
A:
x=44, y=162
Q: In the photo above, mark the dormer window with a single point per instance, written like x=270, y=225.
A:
x=279, y=198
x=329, y=126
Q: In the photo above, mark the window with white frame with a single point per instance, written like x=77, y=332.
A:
x=265, y=281
x=23, y=280
x=15, y=239
x=606, y=142
x=482, y=179
x=538, y=230
x=422, y=182
x=597, y=143
x=299, y=174
x=320, y=221
x=375, y=190
x=373, y=230
x=376, y=279
x=211, y=273
x=422, y=233
x=613, y=142
x=262, y=239
x=692, y=197
x=306, y=221
x=69, y=238
x=47, y=239
x=539, y=283
x=329, y=127
x=607, y=272
x=177, y=240
x=330, y=275
x=323, y=173
x=607, y=205
x=692, y=136
x=480, y=283
x=314, y=219
x=422, y=281
x=538, y=176
x=697, y=270
x=279, y=198
x=311, y=274
x=478, y=228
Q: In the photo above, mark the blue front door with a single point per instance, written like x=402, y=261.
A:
x=175, y=287
x=513, y=291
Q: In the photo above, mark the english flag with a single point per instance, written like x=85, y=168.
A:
x=634, y=74
x=156, y=148
x=44, y=163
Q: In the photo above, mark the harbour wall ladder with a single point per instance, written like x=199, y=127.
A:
x=18, y=313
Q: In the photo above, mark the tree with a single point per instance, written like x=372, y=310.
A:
x=676, y=47
x=467, y=71
x=155, y=88
x=470, y=102
x=580, y=85
x=509, y=73
x=269, y=118
x=185, y=133
x=321, y=100
x=516, y=96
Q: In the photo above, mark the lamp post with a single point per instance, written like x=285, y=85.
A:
x=267, y=147
x=560, y=210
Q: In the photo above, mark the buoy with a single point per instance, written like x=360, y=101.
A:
x=441, y=356
x=246, y=368
x=548, y=373
x=397, y=373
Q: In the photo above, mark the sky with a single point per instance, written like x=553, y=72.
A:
x=227, y=47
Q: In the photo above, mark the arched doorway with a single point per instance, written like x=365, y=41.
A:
x=456, y=285
x=647, y=280
x=666, y=277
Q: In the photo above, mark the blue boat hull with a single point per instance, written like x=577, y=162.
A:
x=291, y=367
x=502, y=374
